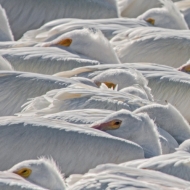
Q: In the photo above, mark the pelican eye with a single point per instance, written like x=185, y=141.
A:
x=117, y=123
x=24, y=172
x=151, y=21
x=65, y=42
x=110, y=85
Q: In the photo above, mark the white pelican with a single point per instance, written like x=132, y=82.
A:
x=168, y=118
x=137, y=83
x=81, y=96
x=5, y=30
x=92, y=116
x=168, y=16
x=154, y=45
x=133, y=127
x=42, y=172
x=122, y=78
x=184, y=7
x=134, y=8
x=163, y=81
x=111, y=176
x=73, y=49
x=17, y=87
x=109, y=27
x=37, y=13
x=87, y=41
x=176, y=164
x=76, y=149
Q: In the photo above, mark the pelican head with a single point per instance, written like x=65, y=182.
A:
x=166, y=17
x=123, y=78
x=42, y=172
x=89, y=42
x=133, y=127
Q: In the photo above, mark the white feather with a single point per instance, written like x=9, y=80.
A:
x=17, y=87
x=154, y=45
x=37, y=13
x=111, y=176
x=29, y=138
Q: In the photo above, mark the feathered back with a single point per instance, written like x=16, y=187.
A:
x=175, y=13
x=5, y=29
x=39, y=12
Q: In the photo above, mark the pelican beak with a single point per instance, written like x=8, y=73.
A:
x=184, y=68
x=151, y=21
x=65, y=42
x=111, y=125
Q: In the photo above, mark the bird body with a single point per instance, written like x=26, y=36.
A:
x=73, y=49
x=153, y=45
x=11, y=181
x=168, y=16
x=175, y=164
x=119, y=177
x=109, y=27
x=132, y=127
x=18, y=87
x=163, y=81
x=81, y=96
x=39, y=13
x=44, y=60
x=75, y=149
x=168, y=118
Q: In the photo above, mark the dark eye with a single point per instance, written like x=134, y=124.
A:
x=24, y=171
x=117, y=123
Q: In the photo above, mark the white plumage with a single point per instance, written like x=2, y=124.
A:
x=87, y=46
x=17, y=87
x=133, y=127
x=45, y=60
x=168, y=118
x=5, y=65
x=154, y=45
x=168, y=16
x=121, y=78
x=93, y=116
x=5, y=30
x=81, y=97
x=184, y=7
x=42, y=172
x=109, y=27
x=176, y=164
x=111, y=176
x=80, y=116
x=37, y=13
x=163, y=81
x=134, y=8
x=75, y=149
x=11, y=181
